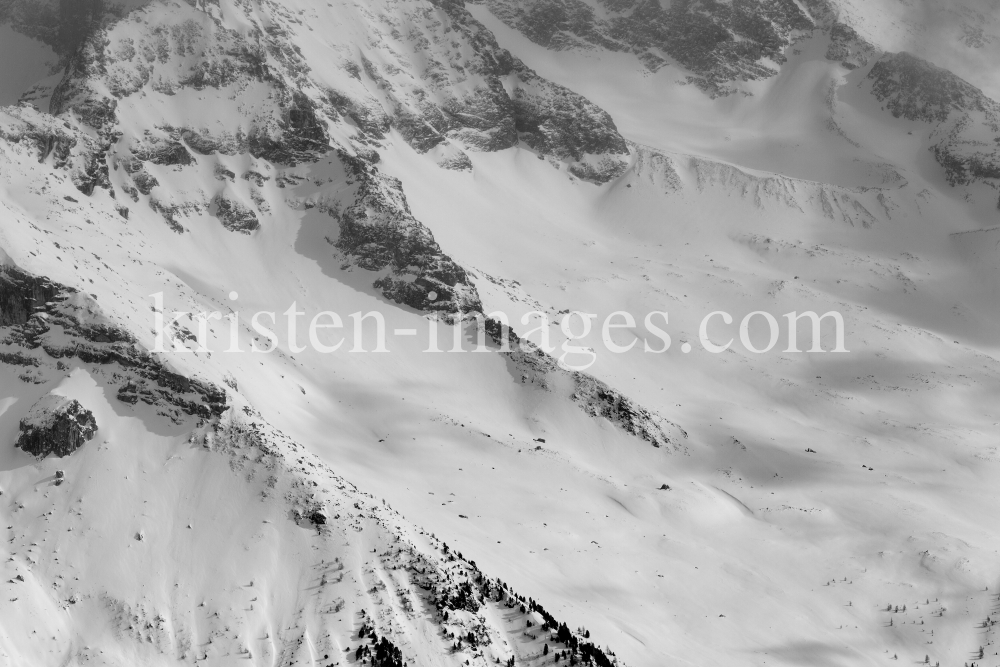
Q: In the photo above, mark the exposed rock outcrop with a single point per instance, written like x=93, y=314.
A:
x=912, y=88
x=502, y=103
x=164, y=152
x=43, y=323
x=832, y=202
x=378, y=232
x=438, y=587
x=848, y=47
x=591, y=395
x=471, y=94
x=56, y=425
x=24, y=128
x=967, y=133
x=857, y=206
x=234, y=216
x=21, y=294
x=597, y=399
x=718, y=42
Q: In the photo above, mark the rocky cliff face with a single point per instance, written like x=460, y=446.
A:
x=379, y=232
x=272, y=145
x=44, y=324
x=858, y=206
x=966, y=134
x=56, y=425
x=467, y=95
x=718, y=42
x=532, y=365
x=849, y=48
x=24, y=130
x=915, y=89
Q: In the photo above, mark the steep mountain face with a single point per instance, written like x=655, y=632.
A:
x=60, y=338
x=967, y=123
x=49, y=324
x=962, y=36
x=295, y=564
x=462, y=92
x=848, y=47
x=181, y=485
x=309, y=138
x=718, y=42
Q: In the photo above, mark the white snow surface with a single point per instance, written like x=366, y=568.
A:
x=168, y=544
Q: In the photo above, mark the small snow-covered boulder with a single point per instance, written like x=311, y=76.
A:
x=56, y=425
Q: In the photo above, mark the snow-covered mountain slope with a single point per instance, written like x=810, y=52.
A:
x=432, y=160
x=292, y=564
x=962, y=36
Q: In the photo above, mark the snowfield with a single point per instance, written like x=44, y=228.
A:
x=433, y=161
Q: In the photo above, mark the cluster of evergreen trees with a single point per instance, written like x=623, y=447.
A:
x=462, y=596
x=381, y=652
x=588, y=652
x=470, y=594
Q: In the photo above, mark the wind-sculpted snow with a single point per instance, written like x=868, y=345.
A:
x=840, y=204
x=861, y=206
x=656, y=168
